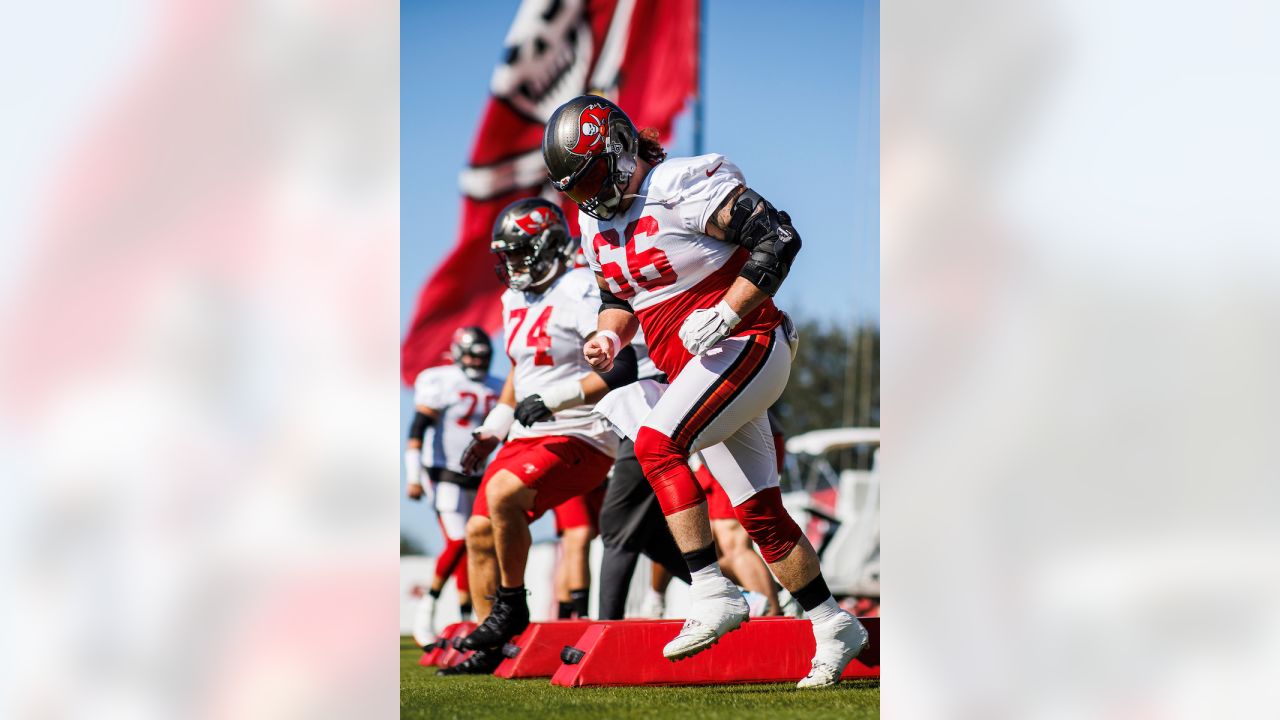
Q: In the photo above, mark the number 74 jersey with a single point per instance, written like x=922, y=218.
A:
x=543, y=336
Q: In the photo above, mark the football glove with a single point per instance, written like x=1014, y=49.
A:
x=482, y=443
x=531, y=410
x=704, y=328
x=543, y=406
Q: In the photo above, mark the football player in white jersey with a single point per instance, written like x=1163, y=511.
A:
x=685, y=250
x=451, y=401
x=557, y=447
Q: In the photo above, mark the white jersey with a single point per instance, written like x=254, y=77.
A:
x=544, y=335
x=462, y=404
x=658, y=257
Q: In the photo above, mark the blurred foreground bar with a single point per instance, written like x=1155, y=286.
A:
x=1080, y=341
x=199, y=351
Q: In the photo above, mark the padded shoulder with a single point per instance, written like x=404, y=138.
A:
x=679, y=177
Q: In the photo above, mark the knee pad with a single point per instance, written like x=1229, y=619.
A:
x=769, y=524
x=666, y=467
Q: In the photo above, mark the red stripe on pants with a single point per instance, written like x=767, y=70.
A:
x=726, y=389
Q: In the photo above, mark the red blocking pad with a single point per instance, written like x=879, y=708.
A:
x=444, y=643
x=536, y=651
x=762, y=650
x=452, y=654
x=430, y=657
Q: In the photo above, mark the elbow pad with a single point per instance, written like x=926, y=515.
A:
x=626, y=367
x=609, y=301
x=418, y=430
x=765, y=231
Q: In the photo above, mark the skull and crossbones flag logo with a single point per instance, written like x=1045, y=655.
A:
x=642, y=55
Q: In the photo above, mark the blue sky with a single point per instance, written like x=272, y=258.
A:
x=792, y=96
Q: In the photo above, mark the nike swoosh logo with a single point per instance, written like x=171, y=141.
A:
x=713, y=170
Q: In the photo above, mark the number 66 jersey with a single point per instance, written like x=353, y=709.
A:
x=658, y=257
x=544, y=335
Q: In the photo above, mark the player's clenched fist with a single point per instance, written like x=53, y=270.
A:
x=600, y=349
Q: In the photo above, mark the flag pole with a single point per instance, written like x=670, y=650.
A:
x=698, y=101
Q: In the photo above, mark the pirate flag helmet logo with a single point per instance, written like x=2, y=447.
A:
x=592, y=126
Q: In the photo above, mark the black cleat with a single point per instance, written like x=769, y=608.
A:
x=481, y=662
x=509, y=617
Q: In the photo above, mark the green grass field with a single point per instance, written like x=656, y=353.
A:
x=424, y=695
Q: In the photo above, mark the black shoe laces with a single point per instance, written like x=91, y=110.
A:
x=499, y=615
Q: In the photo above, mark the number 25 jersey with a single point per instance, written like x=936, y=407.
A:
x=658, y=257
x=462, y=404
x=543, y=336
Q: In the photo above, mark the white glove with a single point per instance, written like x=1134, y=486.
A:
x=704, y=328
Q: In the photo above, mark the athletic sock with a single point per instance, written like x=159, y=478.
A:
x=827, y=611
x=564, y=611
x=580, y=601
x=435, y=594
x=464, y=609
x=514, y=595
x=708, y=574
x=817, y=601
x=702, y=564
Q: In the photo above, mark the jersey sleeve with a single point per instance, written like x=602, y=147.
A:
x=588, y=248
x=429, y=390
x=705, y=184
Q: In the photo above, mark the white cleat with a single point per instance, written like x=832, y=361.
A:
x=424, y=622
x=718, y=608
x=839, y=641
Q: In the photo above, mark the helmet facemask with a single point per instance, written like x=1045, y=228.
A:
x=528, y=263
x=478, y=367
x=472, y=352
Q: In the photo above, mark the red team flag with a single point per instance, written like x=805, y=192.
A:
x=641, y=54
